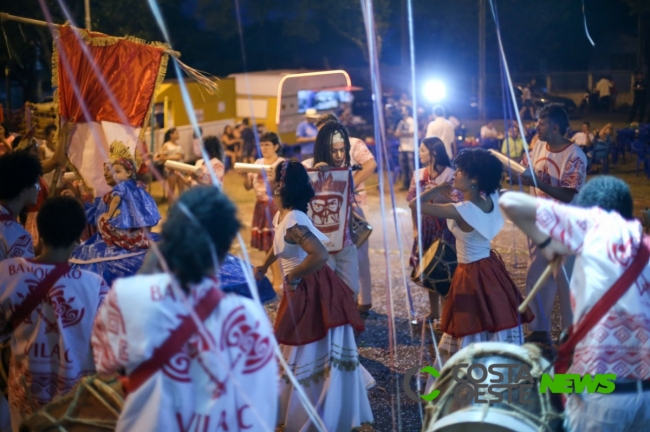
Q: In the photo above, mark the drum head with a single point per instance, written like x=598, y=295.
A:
x=473, y=419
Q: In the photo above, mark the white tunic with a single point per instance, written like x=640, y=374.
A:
x=15, y=241
x=604, y=244
x=50, y=349
x=226, y=383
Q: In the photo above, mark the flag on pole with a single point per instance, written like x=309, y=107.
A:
x=132, y=71
x=329, y=210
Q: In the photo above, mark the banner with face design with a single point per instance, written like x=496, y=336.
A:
x=329, y=210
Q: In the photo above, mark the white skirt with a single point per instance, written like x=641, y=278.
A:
x=333, y=380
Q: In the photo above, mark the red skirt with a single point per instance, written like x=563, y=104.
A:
x=262, y=230
x=320, y=302
x=482, y=297
x=129, y=239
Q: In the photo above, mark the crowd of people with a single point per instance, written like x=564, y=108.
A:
x=86, y=288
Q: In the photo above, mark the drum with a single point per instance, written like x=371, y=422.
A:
x=94, y=404
x=437, y=267
x=459, y=407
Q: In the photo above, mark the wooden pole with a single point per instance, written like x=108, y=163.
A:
x=8, y=17
x=87, y=10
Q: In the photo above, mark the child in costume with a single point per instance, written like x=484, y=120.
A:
x=123, y=218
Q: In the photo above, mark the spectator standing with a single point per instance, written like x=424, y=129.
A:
x=513, y=146
x=405, y=131
x=306, y=133
x=249, y=149
x=442, y=128
x=604, y=88
x=640, y=98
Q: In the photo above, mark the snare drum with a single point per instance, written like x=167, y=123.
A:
x=94, y=404
x=449, y=414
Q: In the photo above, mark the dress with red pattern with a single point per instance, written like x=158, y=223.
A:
x=214, y=383
x=51, y=348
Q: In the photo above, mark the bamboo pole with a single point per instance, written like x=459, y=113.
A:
x=8, y=17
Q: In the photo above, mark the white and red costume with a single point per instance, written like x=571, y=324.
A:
x=214, y=383
x=262, y=227
x=605, y=245
x=566, y=168
x=15, y=241
x=51, y=348
x=315, y=327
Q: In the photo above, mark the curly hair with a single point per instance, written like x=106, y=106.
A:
x=323, y=144
x=188, y=240
x=294, y=185
x=481, y=166
x=60, y=221
x=437, y=149
x=608, y=193
x=213, y=147
x=555, y=113
x=18, y=171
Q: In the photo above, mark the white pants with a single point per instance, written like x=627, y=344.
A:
x=558, y=283
x=365, y=282
x=346, y=266
x=608, y=412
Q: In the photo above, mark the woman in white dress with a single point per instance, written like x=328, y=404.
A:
x=173, y=151
x=316, y=318
x=436, y=171
x=483, y=300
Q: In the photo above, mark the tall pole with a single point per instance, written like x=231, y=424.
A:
x=87, y=8
x=481, y=59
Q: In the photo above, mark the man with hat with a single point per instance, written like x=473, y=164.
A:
x=306, y=133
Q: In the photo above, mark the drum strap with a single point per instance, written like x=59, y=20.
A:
x=623, y=283
x=175, y=342
x=37, y=294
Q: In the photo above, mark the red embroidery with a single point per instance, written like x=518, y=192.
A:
x=256, y=348
x=626, y=354
x=620, y=253
x=22, y=246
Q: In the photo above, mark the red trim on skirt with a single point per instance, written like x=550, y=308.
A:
x=262, y=231
x=129, y=239
x=482, y=297
x=320, y=302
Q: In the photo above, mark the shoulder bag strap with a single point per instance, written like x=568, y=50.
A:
x=175, y=342
x=596, y=313
x=37, y=295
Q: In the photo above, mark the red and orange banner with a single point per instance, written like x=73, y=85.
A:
x=131, y=70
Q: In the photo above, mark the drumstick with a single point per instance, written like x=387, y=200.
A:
x=538, y=285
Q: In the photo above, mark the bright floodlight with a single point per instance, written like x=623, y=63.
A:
x=434, y=91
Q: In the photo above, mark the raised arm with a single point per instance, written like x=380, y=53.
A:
x=521, y=209
x=444, y=211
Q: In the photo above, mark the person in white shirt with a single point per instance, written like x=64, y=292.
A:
x=604, y=88
x=216, y=378
x=488, y=131
x=583, y=139
x=442, y=128
x=559, y=168
x=50, y=341
x=605, y=237
x=405, y=131
x=359, y=155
